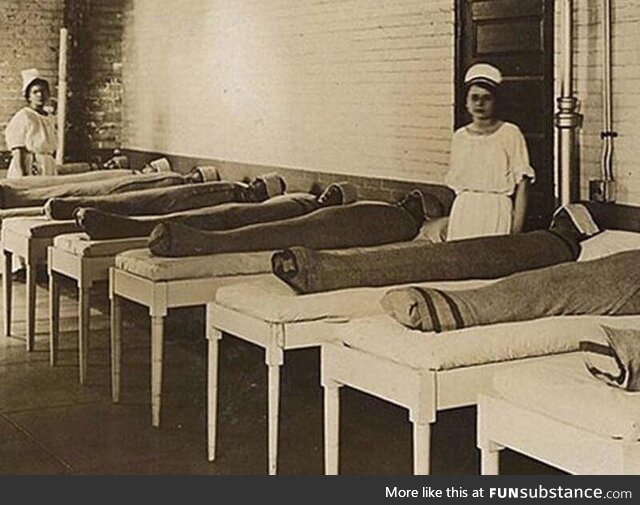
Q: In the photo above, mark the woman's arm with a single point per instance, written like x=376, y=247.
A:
x=19, y=154
x=520, y=205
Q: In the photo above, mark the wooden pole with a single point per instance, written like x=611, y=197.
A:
x=62, y=94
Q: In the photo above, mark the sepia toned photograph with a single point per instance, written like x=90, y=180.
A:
x=320, y=237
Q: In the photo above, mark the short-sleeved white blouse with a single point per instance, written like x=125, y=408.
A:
x=33, y=131
x=493, y=163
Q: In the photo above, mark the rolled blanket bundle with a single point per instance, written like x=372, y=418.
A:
x=606, y=286
x=161, y=200
x=309, y=271
x=359, y=224
x=37, y=196
x=101, y=225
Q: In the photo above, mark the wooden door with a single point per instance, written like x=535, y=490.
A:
x=517, y=37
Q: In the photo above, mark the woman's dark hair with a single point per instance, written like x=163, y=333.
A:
x=38, y=80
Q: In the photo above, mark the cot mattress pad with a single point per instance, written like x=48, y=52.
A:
x=142, y=263
x=81, y=245
x=561, y=388
x=272, y=300
x=383, y=336
x=38, y=227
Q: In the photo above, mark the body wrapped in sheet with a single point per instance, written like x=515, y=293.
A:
x=358, y=224
x=606, y=286
x=100, y=225
x=19, y=196
x=152, y=201
x=310, y=271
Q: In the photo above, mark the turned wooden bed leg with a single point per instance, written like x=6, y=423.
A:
x=116, y=337
x=274, y=360
x=213, y=338
x=7, y=290
x=54, y=317
x=331, y=427
x=31, y=305
x=157, y=336
x=84, y=308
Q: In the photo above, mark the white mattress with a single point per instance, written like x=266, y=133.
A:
x=80, y=244
x=383, y=336
x=38, y=227
x=272, y=300
x=155, y=268
x=561, y=388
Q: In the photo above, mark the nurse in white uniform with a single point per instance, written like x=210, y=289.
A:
x=31, y=132
x=489, y=171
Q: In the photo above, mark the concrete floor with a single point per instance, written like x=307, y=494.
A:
x=49, y=424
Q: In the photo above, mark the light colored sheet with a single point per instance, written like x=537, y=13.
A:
x=561, y=388
x=81, y=245
x=155, y=268
x=381, y=335
x=272, y=300
x=38, y=227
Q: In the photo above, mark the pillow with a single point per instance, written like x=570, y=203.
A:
x=434, y=230
x=607, y=243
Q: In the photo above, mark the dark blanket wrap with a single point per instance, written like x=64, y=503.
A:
x=101, y=225
x=358, y=224
x=37, y=196
x=152, y=201
x=310, y=271
x=606, y=286
x=14, y=191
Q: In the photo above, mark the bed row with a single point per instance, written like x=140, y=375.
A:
x=294, y=270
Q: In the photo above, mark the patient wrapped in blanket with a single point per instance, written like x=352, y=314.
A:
x=35, y=196
x=161, y=200
x=311, y=271
x=605, y=286
x=358, y=224
x=101, y=225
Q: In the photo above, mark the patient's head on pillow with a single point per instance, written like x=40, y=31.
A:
x=574, y=221
x=414, y=204
x=267, y=186
x=203, y=174
x=339, y=193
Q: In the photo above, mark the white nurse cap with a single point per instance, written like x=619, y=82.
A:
x=28, y=76
x=483, y=73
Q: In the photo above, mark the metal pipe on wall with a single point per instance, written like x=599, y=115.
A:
x=62, y=95
x=607, y=123
x=566, y=119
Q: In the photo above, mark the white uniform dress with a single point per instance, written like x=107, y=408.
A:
x=37, y=134
x=484, y=172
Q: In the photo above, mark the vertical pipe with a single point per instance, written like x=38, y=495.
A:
x=62, y=94
x=566, y=119
x=607, y=133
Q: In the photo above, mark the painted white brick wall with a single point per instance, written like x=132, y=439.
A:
x=362, y=87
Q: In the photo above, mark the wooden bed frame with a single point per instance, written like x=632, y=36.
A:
x=424, y=392
x=85, y=271
x=158, y=297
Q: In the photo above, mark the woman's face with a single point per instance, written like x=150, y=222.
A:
x=38, y=95
x=480, y=103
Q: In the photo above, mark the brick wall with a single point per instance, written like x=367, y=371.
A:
x=29, y=37
x=359, y=87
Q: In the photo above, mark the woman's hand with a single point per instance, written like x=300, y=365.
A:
x=520, y=205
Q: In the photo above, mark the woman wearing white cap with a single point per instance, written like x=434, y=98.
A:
x=490, y=169
x=31, y=132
